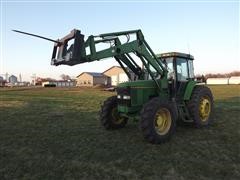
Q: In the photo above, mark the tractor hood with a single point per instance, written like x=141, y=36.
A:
x=132, y=95
x=139, y=84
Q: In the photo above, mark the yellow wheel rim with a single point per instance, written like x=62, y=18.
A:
x=204, y=108
x=115, y=116
x=162, y=121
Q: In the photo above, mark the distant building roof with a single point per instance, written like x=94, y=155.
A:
x=127, y=68
x=111, y=68
x=94, y=74
x=12, y=76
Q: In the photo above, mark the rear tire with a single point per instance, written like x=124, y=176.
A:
x=200, y=106
x=158, y=120
x=109, y=116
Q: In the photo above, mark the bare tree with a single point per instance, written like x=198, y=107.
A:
x=223, y=75
x=65, y=77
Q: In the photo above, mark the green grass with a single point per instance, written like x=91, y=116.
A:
x=50, y=133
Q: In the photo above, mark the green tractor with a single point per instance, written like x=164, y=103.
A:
x=161, y=90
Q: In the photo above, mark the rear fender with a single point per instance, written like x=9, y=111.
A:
x=188, y=91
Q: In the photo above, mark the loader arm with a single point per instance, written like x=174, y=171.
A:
x=77, y=52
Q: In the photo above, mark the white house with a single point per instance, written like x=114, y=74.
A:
x=217, y=80
x=234, y=80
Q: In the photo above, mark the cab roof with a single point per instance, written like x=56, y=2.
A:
x=175, y=54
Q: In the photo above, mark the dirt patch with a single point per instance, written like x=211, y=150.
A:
x=8, y=104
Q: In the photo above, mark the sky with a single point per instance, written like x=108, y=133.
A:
x=209, y=30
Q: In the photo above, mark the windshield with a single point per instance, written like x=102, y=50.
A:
x=169, y=65
x=182, y=69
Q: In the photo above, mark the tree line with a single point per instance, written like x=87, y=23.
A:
x=203, y=78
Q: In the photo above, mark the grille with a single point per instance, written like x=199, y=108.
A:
x=124, y=91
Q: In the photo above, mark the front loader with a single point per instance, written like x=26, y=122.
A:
x=161, y=92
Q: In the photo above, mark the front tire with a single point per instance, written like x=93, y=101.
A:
x=109, y=116
x=158, y=120
x=200, y=106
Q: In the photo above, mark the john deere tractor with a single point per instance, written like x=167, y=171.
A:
x=161, y=90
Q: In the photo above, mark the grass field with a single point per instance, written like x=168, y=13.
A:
x=49, y=133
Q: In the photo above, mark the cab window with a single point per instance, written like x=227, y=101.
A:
x=182, y=69
x=191, y=70
x=169, y=66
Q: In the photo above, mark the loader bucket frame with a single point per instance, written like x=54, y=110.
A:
x=72, y=55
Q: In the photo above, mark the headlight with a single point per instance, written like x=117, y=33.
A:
x=126, y=97
x=119, y=96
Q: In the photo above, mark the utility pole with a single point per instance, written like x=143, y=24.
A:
x=20, y=77
x=6, y=77
x=33, y=77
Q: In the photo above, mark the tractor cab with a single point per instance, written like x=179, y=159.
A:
x=179, y=65
x=180, y=71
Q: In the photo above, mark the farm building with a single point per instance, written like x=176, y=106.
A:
x=217, y=80
x=58, y=83
x=234, y=80
x=12, y=79
x=2, y=82
x=24, y=83
x=92, y=79
x=117, y=75
x=231, y=80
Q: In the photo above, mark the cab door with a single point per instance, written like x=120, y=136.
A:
x=182, y=76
